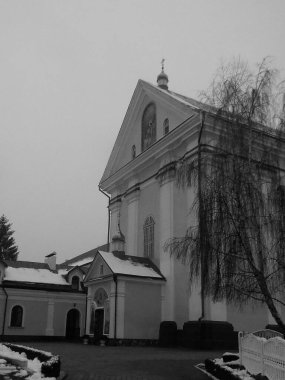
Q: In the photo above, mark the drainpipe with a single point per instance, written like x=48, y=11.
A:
x=202, y=120
x=109, y=213
x=116, y=298
x=5, y=310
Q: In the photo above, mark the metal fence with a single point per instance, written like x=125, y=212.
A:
x=263, y=352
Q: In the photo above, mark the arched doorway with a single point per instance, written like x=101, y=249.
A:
x=100, y=314
x=72, y=324
x=99, y=322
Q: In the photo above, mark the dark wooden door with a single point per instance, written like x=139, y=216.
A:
x=99, y=322
x=73, y=324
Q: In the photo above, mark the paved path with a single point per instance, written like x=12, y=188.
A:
x=88, y=362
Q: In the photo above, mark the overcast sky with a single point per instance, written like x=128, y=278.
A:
x=68, y=69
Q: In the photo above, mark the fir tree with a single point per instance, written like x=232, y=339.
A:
x=8, y=249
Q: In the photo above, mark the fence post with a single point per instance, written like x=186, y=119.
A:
x=262, y=358
x=240, y=335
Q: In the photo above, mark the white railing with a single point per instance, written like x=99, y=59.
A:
x=263, y=352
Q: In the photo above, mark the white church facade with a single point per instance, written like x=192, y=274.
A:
x=132, y=284
x=147, y=208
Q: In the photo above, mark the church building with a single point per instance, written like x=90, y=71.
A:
x=139, y=283
x=123, y=290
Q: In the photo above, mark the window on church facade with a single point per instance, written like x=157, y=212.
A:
x=148, y=134
x=75, y=283
x=100, y=297
x=16, y=316
x=133, y=151
x=148, y=230
x=166, y=126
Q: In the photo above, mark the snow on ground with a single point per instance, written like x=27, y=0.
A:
x=43, y=276
x=241, y=373
x=128, y=266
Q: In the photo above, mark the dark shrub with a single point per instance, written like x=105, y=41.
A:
x=180, y=338
x=210, y=366
x=259, y=376
x=51, y=367
x=167, y=333
x=50, y=363
x=209, y=334
x=230, y=357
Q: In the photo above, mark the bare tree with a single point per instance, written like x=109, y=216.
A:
x=237, y=246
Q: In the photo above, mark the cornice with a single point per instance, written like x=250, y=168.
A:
x=166, y=173
x=115, y=200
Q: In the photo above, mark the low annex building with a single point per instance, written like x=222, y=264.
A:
x=41, y=299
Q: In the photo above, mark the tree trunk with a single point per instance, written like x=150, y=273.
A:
x=269, y=302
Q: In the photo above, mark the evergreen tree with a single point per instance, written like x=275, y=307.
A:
x=8, y=249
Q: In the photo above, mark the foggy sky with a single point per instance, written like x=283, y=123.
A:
x=68, y=71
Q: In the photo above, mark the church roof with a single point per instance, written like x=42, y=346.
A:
x=83, y=259
x=33, y=275
x=182, y=108
x=127, y=265
x=186, y=100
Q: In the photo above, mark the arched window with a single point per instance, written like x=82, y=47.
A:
x=166, y=126
x=100, y=297
x=134, y=152
x=75, y=282
x=16, y=316
x=148, y=126
x=148, y=232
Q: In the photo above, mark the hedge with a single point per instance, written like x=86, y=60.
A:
x=50, y=363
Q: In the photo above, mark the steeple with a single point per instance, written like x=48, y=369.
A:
x=118, y=240
x=162, y=78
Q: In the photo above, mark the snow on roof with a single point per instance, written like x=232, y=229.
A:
x=63, y=271
x=82, y=262
x=130, y=265
x=42, y=276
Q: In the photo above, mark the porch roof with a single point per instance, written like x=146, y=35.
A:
x=131, y=265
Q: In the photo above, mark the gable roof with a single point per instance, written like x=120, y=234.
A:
x=26, y=264
x=79, y=268
x=33, y=275
x=184, y=106
x=126, y=265
x=186, y=100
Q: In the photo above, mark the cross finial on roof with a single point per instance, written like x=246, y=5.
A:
x=162, y=78
x=162, y=64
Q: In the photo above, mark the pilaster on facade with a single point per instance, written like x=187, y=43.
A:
x=50, y=318
x=162, y=297
x=194, y=302
x=117, y=309
x=217, y=311
x=88, y=314
x=114, y=208
x=132, y=196
x=121, y=292
x=113, y=311
x=166, y=178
